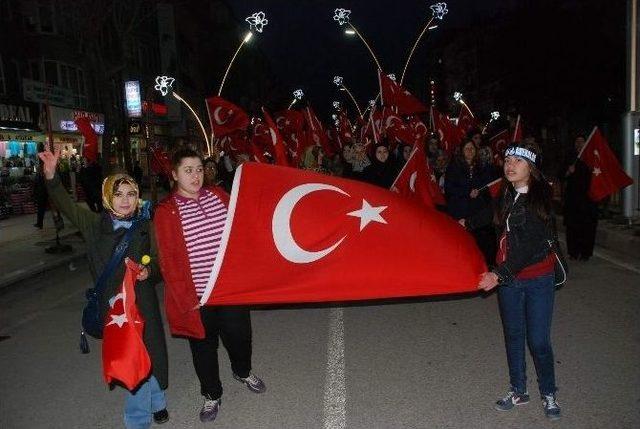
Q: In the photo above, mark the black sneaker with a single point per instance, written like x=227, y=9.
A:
x=510, y=400
x=253, y=382
x=161, y=416
x=551, y=407
x=210, y=409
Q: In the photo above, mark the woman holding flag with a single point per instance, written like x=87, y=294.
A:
x=525, y=273
x=104, y=232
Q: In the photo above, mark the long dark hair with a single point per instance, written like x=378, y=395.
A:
x=539, y=195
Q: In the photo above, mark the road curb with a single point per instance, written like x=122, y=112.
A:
x=10, y=279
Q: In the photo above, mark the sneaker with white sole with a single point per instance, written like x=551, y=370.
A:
x=210, y=409
x=253, y=382
x=510, y=400
x=551, y=407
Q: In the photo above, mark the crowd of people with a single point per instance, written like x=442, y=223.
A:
x=512, y=231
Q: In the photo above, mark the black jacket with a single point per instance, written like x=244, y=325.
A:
x=527, y=238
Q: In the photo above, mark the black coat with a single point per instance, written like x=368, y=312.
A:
x=459, y=180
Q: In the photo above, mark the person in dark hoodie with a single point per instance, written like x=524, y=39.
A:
x=382, y=171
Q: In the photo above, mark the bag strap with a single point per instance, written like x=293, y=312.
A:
x=117, y=256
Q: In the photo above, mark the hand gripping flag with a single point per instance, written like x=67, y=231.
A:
x=124, y=356
x=607, y=174
x=415, y=181
x=295, y=236
x=90, y=146
x=225, y=117
x=393, y=94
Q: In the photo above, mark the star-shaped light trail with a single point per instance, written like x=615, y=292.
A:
x=368, y=214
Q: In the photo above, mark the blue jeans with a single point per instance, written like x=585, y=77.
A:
x=526, y=307
x=140, y=406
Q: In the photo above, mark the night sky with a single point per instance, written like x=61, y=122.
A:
x=307, y=48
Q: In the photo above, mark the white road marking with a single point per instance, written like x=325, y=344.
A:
x=335, y=389
x=614, y=261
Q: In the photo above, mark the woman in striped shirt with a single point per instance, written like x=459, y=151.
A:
x=189, y=224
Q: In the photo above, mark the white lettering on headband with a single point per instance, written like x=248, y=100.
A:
x=520, y=152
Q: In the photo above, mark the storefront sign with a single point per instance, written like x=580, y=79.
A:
x=133, y=98
x=135, y=127
x=40, y=92
x=21, y=136
x=18, y=115
x=63, y=119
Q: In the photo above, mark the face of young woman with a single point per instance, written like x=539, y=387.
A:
x=125, y=200
x=189, y=175
x=406, y=151
x=469, y=152
x=382, y=154
x=517, y=171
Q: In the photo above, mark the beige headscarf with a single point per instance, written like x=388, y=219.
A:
x=110, y=185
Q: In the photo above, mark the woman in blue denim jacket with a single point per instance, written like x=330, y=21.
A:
x=525, y=272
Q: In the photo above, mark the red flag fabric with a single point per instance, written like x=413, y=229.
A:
x=225, y=117
x=498, y=144
x=296, y=236
x=344, y=128
x=90, y=145
x=395, y=95
x=466, y=121
x=235, y=143
x=124, y=356
x=417, y=182
x=396, y=130
x=316, y=132
x=160, y=161
x=517, y=131
x=419, y=128
x=279, y=151
x=449, y=135
x=607, y=174
x=494, y=187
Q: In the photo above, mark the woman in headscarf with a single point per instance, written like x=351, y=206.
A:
x=382, y=171
x=103, y=232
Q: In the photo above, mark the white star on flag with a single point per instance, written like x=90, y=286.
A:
x=368, y=214
x=596, y=171
x=118, y=319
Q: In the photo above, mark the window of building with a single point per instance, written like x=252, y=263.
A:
x=46, y=16
x=3, y=88
x=35, y=70
x=51, y=72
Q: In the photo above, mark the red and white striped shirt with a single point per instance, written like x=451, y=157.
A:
x=202, y=224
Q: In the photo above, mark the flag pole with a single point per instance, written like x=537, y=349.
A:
x=246, y=38
x=204, y=133
x=587, y=142
x=424, y=30
x=355, y=103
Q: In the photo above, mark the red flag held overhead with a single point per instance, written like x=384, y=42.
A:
x=225, y=117
x=90, y=146
x=395, y=95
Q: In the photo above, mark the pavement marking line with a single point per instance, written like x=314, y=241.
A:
x=616, y=262
x=335, y=389
x=35, y=314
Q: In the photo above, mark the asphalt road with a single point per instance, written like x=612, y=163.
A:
x=436, y=363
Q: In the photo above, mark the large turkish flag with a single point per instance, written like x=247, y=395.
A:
x=296, y=236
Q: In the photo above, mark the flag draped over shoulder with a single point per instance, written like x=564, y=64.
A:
x=607, y=174
x=124, y=356
x=295, y=236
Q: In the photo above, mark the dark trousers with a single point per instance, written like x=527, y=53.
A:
x=526, y=307
x=581, y=237
x=486, y=241
x=233, y=326
x=42, y=208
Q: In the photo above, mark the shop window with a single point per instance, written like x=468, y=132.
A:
x=51, y=72
x=46, y=16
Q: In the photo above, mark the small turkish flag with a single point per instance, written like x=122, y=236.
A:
x=449, y=135
x=279, y=150
x=392, y=94
x=124, y=356
x=498, y=144
x=225, y=117
x=607, y=174
x=295, y=236
x=417, y=182
x=466, y=121
x=90, y=146
x=315, y=131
